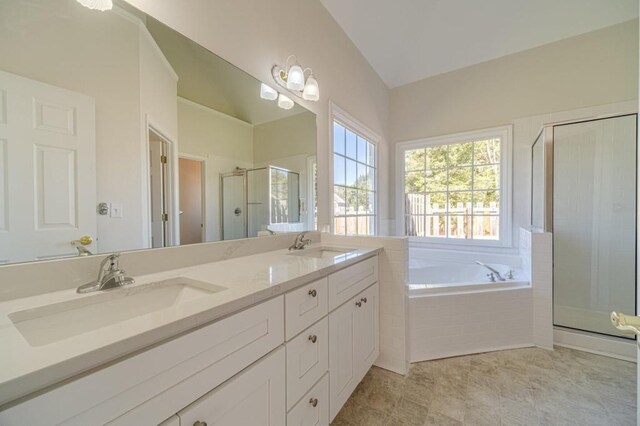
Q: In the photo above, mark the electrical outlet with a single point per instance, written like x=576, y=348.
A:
x=116, y=210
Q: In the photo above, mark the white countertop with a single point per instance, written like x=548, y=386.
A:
x=248, y=280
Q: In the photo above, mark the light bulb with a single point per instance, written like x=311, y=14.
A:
x=284, y=102
x=268, y=93
x=100, y=5
x=311, y=90
x=295, y=78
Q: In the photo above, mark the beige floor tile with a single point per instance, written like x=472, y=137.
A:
x=520, y=387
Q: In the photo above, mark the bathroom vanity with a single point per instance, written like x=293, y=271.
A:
x=276, y=338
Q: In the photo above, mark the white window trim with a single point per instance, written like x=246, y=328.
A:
x=506, y=179
x=338, y=114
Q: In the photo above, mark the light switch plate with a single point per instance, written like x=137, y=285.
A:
x=116, y=210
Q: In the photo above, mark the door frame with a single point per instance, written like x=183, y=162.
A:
x=204, y=161
x=173, y=221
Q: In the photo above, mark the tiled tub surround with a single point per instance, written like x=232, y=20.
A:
x=249, y=279
x=479, y=319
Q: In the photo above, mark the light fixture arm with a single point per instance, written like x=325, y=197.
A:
x=280, y=75
x=286, y=63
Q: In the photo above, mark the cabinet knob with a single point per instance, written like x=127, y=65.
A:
x=313, y=401
x=358, y=303
x=313, y=293
x=364, y=299
x=199, y=423
x=313, y=338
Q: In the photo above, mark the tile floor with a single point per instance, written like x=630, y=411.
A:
x=529, y=386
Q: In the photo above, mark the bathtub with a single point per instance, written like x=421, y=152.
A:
x=433, y=277
x=454, y=309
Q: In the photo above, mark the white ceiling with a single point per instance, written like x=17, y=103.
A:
x=408, y=40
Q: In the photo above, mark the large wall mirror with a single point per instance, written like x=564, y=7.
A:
x=117, y=128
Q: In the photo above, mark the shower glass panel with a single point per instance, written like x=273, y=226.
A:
x=258, y=200
x=594, y=221
x=233, y=206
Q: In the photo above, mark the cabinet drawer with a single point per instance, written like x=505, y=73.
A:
x=253, y=397
x=304, y=306
x=345, y=284
x=188, y=367
x=313, y=408
x=307, y=360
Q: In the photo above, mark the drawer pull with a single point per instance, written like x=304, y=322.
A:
x=358, y=303
x=364, y=299
x=313, y=338
x=313, y=293
x=313, y=401
x=199, y=423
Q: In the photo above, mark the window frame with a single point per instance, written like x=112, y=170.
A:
x=337, y=114
x=506, y=178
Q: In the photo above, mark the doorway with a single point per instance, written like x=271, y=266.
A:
x=192, y=194
x=159, y=188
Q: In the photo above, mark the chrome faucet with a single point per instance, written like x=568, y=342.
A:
x=110, y=276
x=300, y=242
x=493, y=271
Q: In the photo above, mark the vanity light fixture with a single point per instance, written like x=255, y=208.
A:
x=284, y=102
x=100, y=5
x=268, y=93
x=292, y=78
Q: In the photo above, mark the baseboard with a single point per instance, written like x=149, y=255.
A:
x=600, y=345
x=475, y=351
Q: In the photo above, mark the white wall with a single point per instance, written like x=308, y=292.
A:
x=106, y=57
x=596, y=68
x=224, y=141
x=158, y=107
x=255, y=35
x=54, y=41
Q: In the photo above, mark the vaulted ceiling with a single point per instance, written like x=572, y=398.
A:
x=409, y=40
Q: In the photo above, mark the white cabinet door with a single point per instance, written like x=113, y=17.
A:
x=343, y=365
x=254, y=397
x=367, y=325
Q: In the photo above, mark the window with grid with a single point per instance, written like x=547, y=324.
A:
x=354, y=183
x=453, y=190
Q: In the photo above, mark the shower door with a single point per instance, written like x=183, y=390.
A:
x=594, y=222
x=233, y=189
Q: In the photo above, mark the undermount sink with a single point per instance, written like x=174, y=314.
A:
x=52, y=323
x=322, y=252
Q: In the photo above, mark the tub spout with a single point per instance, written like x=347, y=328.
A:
x=493, y=271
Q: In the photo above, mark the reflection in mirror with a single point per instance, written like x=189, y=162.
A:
x=116, y=128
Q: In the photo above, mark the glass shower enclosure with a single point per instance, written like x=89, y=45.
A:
x=253, y=199
x=583, y=190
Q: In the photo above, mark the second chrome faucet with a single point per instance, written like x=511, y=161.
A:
x=109, y=276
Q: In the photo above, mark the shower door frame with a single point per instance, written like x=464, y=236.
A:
x=547, y=132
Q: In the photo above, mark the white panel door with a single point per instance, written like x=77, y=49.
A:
x=254, y=397
x=343, y=363
x=367, y=325
x=47, y=169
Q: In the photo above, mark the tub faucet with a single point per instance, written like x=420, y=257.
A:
x=493, y=271
x=112, y=277
x=300, y=242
